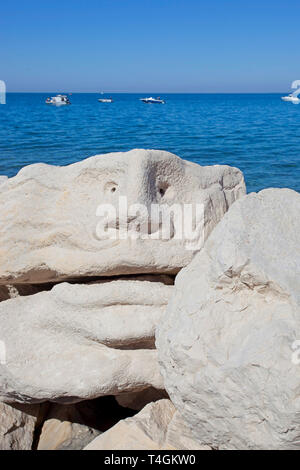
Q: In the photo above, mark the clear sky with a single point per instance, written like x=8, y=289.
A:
x=150, y=45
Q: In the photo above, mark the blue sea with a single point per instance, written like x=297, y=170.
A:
x=258, y=133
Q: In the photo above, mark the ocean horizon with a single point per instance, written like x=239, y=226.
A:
x=256, y=132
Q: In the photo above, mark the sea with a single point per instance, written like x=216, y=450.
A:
x=258, y=133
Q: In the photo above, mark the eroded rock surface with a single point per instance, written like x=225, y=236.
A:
x=226, y=344
x=91, y=338
x=49, y=222
x=79, y=342
x=76, y=341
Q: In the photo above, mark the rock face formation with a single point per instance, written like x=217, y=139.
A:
x=79, y=342
x=157, y=427
x=227, y=342
x=88, y=254
x=50, y=223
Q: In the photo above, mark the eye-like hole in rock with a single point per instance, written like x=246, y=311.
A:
x=164, y=189
x=111, y=187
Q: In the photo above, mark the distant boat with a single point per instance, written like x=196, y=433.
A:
x=105, y=100
x=292, y=98
x=58, y=100
x=157, y=100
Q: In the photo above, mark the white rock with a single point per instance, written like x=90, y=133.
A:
x=49, y=223
x=156, y=427
x=79, y=342
x=17, y=426
x=225, y=343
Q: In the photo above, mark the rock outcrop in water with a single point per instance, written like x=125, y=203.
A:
x=229, y=341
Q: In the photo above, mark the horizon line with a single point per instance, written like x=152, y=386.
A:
x=158, y=92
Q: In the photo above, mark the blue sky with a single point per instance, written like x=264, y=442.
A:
x=150, y=45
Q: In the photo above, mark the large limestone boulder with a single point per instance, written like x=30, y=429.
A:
x=79, y=342
x=157, y=427
x=227, y=342
x=17, y=426
x=50, y=224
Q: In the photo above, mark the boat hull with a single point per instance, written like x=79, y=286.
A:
x=153, y=101
x=290, y=99
x=59, y=104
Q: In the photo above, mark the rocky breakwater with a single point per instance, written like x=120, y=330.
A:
x=84, y=286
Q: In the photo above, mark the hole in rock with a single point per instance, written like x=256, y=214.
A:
x=9, y=291
x=99, y=414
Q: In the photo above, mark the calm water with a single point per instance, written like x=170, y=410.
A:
x=260, y=134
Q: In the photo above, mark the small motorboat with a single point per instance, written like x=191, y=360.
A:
x=105, y=100
x=293, y=98
x=157, y=100
x=58, y=100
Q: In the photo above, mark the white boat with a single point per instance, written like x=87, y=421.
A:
x=292, y=98
x=58, y=100
x=105, y=100
x=152, y=100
